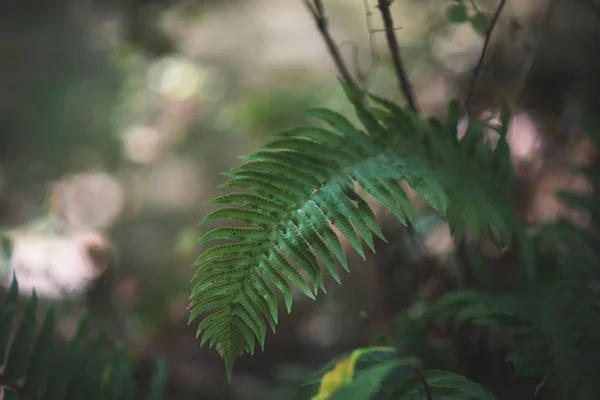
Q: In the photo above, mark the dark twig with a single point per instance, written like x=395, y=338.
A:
x=388, y=23
x=486, y=44
x=318, y=13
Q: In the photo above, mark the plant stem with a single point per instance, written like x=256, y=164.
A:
x=403, y=82
x=318, y=12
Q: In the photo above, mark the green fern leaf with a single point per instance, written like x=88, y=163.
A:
x=40, y=359
x=37, y=367
x=119, y=382
x=21, y=348
x=87, y=377
x=304, y=185
x=7, y=311
x=554, y=326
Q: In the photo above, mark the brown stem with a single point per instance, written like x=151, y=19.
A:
x=486, y=44
x=318, y=12
x=404, y=83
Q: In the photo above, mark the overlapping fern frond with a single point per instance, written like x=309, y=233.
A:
x=35, y=367
x=306, y=180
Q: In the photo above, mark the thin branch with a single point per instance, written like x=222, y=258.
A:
x=486, y=44
x=318, y=13
x=388, y=22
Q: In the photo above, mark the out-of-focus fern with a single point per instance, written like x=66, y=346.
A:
x=34, y=367
x=554, y=320
x=306, y=179
x=555, y=329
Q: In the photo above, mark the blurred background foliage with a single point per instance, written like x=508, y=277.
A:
x=117, y=118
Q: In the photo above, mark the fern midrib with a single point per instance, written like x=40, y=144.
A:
x=343, y=172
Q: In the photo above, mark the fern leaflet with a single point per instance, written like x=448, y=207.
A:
x=554, y=328
x=35, y=367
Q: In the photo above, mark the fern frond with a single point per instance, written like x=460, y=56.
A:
x=33, y=366
x=306, y=180
x=555, y=331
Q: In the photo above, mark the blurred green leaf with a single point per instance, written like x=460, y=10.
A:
x=6, y=317
x=457, y=13
x=186, y=241
x=443, y=384
x=367, y=383
x=159, y=381
x=480, y=23
x=21, y=349
x=40, y=360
